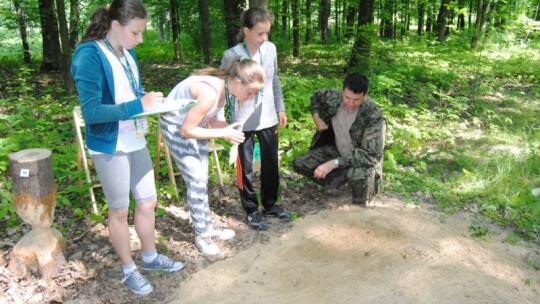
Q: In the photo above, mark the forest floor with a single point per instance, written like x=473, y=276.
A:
x=335, y=252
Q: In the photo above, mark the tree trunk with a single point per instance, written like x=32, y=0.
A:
x=34, y=200
x=69, y=86
x=232, y=9
x=429, y=19
x=387, y=15
x=284, y=12
x=258, y=3
x=324, y=15
x=175, y=29
x=22, y=31
x=362, y=45
x=205, y=21
x=461, y=16
x=73, y=23
x=50, y=37
x=480, y=27
x=444, y=13
x=351, y=14
x=296, y=28
x=336, y=20
x=421, y=14
x=307, y=38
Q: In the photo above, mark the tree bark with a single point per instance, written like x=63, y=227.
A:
x=351, y=14
x=69, y=86
x=205, y=21
x=461, y=16
x=387, y=24
x=175, y=29
x=73, y=23
x=284, y=12
x=307, y=38
x=421, y=14
x=34, y=200
x=444, y=13
x=480, y=27
x=232, y=11
x=324, y=15
x=429, y=19
x=296, y=28
x=361, y=51
x=22, y=31
x=258, y=3
x=50, y=37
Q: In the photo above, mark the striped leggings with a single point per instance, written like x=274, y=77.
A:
x=191, y=156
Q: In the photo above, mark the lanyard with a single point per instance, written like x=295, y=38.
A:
x=261, y=92
x=230, y=100
x=244, y=45
x=127, y=69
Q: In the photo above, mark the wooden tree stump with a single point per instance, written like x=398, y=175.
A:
x=34, y=199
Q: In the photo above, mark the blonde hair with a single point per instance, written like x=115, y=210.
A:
x=246, y=70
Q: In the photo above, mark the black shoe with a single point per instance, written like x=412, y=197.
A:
x=277, y=211
x=256, y=221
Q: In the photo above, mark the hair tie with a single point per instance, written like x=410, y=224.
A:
x=107, y=8
x=242, y=59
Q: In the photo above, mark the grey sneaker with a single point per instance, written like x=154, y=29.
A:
x=256, y=221
x=278, y=212
x=223, y=234
x=162, y=263
x=137, y=283
x=206, y=245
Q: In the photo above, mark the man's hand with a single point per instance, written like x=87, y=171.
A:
x=319, y=123
x=323, y=169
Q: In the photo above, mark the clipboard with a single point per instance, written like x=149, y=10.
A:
x=169, y=106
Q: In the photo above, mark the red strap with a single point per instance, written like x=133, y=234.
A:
x=239, y=173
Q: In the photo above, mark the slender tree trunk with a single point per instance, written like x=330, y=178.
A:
x=470, y=14
x=307, y=38
x=444, y=13
x=296, y=28
x=324, y=15
x=421, y=13
x=73, y=23
x=258, y=3
x=205, y=22
x=175, y=29
x=284, y=12
x=336, y=21
x=484, y=7
x=50, y=37
x=351, y=14
x=461, y=16
x=387, y=16
x=22, y=31
x=361, y=50
x=429, y=20
x=232, y=9
x=69, y=86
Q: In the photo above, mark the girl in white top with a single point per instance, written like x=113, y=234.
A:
x=187, y=136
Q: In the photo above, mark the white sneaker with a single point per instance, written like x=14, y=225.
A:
x=206, y=245
x=222, y=234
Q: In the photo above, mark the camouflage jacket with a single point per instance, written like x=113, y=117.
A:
x=367, y=131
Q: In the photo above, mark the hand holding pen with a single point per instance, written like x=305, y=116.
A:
x=151, y=100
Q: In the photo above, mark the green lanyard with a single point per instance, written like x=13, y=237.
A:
x=230, y=100
x=127, y=69
x=140, y=124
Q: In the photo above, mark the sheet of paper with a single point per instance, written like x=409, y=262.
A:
x=169, y=106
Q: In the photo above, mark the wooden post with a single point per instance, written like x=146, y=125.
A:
x=34, y=199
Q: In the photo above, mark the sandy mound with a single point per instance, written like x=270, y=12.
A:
x=387, y=254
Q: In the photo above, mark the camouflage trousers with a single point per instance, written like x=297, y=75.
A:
x=364, y=182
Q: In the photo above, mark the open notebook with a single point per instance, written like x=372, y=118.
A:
x=169, y=106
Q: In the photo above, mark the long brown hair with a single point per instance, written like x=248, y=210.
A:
x=249, y=18
x=122, y=11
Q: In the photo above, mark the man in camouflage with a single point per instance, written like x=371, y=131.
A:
x=349, y=142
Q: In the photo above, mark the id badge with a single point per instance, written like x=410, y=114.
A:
x=141, y=127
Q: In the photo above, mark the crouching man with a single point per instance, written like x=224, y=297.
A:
x=349, y=142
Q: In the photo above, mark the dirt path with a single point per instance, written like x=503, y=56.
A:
x=387, y=254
